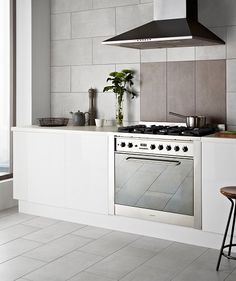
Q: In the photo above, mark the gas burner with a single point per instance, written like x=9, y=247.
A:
x=168, y=130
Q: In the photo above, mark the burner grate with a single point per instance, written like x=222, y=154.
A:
x=167, y=130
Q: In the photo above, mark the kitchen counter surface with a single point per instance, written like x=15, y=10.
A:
x=93, y=129
x=228, y=136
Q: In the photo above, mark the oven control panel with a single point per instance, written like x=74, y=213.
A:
x=155, y=146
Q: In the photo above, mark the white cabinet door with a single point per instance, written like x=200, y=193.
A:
x=218, y=170
x=46, y=168
x=20, y=166
x=86, y=186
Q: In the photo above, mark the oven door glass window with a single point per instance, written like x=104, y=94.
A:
x=157, y=183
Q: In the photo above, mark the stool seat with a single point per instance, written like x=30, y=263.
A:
x=229, y=191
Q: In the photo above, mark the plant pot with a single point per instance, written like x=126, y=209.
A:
x=119, y=110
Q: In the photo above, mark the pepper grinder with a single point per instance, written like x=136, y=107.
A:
x=92, y=109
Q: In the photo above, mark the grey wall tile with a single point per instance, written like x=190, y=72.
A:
x=154, y=55
x=103, y=54
x=132, y=109
x=59, y=6
x=93, y=23
x=146, y=1
x=181, y=54
x=132, y=16
x=231, y=108
x=180, y=89
x=211, y=90
x=60, y=79
x=60, y=26
x=63, y=103
x=85, y=77
x=213, y=52
x=71, y=52
x=113, y=3
x=231, y=74
x=217, y=12
x=106, y=106
x=231, y=42
x=153, y=89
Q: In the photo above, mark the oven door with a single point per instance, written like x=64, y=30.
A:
x=155, y=187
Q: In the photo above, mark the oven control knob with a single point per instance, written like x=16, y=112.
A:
x=153, y=146
x=168, y=148
x=130, y=145
x=160, y=147
x=122, y=144
x=185, y=149
x=176, y=148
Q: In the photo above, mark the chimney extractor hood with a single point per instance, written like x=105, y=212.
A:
x=175, y=24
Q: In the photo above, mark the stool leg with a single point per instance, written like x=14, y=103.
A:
x=232, y=231
x=225, y=235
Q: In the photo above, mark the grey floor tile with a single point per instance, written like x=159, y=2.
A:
x=8, y=221
x=58, y=248
x=92, y=232
x=145, y=273
x=15, y=232
x=8, y=212
x=109, y=243
x=136, y=252
x=64, y=268
x=204, y=268
x=15, y=248
x=232, y=276
x=40, y=222
x=53, y=232
x=149, y=243
x=86, y=276
x=176, y=257
x=18, y=267
x=118, y=264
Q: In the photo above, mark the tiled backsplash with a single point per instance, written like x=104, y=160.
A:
x=188, y=88
x=79, y=61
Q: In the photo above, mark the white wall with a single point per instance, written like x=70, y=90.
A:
x=4, y=82
x=33, y=61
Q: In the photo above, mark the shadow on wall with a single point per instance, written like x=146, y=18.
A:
x=216, y=13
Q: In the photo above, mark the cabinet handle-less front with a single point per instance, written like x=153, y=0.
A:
x=158, y=161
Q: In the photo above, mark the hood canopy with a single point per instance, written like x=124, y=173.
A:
x=167, y=32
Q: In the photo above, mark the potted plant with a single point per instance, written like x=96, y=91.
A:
x=121, y=83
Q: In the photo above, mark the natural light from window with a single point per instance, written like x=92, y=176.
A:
x=4, y=87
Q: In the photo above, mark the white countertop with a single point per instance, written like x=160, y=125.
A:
x=93, y=129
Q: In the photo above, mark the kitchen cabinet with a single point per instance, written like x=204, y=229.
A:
x=39, y=168
x=20, y=166
x=86, y=172
x=218, y=170
x=62, y=169
x=46, y=168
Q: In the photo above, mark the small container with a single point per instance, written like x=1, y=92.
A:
x=99, y=122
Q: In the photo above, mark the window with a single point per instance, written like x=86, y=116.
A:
x=6, y=85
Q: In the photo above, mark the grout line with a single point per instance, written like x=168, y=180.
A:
x=163, y=249
x=184, y=268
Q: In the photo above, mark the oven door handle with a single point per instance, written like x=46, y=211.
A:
x=161, y=161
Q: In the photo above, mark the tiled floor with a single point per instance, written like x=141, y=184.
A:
x=41, y=249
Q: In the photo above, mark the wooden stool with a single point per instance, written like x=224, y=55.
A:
x=230, y=193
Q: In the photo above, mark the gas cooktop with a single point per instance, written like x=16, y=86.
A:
x=168, y=130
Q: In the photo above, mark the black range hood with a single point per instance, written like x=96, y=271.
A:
x=169, y=32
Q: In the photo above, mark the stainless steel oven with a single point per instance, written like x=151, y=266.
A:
x=155, y=179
